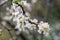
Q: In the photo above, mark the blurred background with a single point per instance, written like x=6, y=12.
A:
x=46, y=10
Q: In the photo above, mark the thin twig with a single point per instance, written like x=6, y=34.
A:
x=25, y=15
x=21, y=7
x=8, y=31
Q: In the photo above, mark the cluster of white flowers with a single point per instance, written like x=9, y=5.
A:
x=43, y=26
x=27, y=5
x=24, y=21
x=20, y=19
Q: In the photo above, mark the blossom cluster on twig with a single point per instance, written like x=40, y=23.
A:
x=22, y=20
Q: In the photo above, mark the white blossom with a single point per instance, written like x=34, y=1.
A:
x=43, y=27
x=28, y=5
x=7, y=18
x=18, y=26
x=33, y=26
x=30, y=26
x=27, y=14
x=33, y=1
x=13, y=6
x=34, y=20
x=22, y=21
